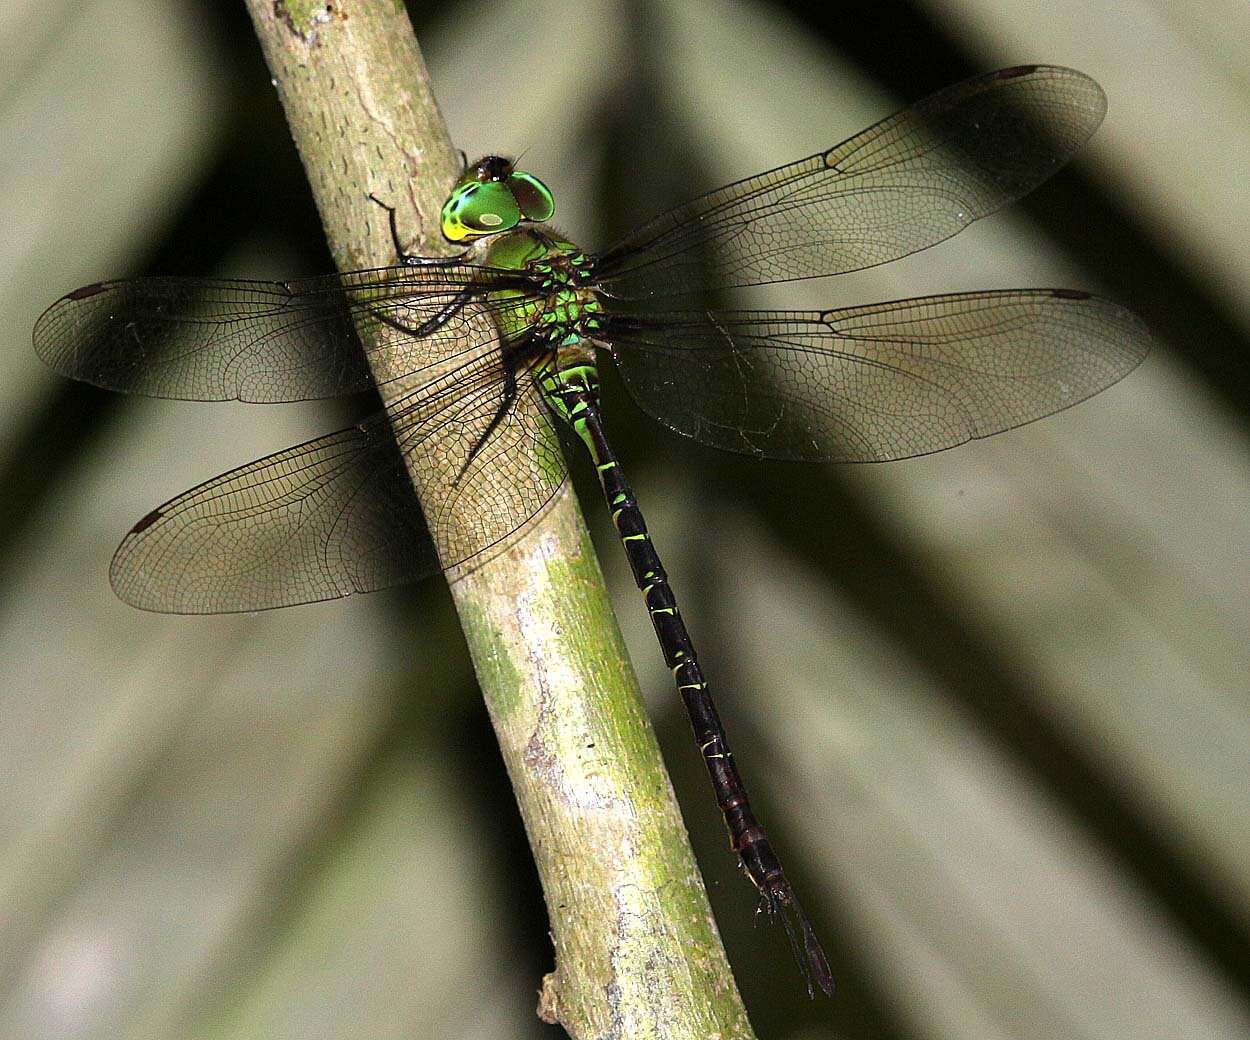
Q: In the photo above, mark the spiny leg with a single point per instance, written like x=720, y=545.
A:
x=430, y=324
x=441, y=318
x=511, y=356
x=411, y=259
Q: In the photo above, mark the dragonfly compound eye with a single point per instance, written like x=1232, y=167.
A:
x=533, y=196
x=475, y=209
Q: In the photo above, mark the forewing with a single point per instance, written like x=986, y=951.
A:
x=906, y=183
x=221, y=339
x=884, y=381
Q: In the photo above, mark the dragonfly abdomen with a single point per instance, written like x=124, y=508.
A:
x=570, y=383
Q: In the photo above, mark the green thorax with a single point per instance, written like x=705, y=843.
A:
x=558, y=312
x=560, y=304
x=564, y=318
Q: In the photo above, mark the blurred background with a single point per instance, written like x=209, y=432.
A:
x=992, y=703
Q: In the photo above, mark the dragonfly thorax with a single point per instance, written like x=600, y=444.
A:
x=558, y=304
x=557, y=314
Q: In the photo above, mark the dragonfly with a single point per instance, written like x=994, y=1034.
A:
x=488, y=353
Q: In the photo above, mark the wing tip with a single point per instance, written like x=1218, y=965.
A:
x=1014, y=71
x=86, y=291
x=147, y=521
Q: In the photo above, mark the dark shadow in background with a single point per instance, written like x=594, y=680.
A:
x=255, y=183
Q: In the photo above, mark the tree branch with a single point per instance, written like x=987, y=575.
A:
x=637, y=950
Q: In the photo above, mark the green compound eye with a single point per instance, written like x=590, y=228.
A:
x=477, y=209
x=491, y=197
x=533, y=196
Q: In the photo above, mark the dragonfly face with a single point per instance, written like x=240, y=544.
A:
x=493, y=197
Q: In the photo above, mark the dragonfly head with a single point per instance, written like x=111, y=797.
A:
x=492, y=197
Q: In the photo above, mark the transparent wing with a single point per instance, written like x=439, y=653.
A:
x=906, y=183
x=220, y=339
x=884, y=381
x=338, y=515
x=318, y=521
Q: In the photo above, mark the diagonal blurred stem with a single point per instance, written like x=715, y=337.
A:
x=637, y=950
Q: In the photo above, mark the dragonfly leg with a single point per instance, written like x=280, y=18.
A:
x=509, y=396
x=430, y=324
x=446, y=314
x=411, y=259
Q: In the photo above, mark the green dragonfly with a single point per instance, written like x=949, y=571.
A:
x=484, y=353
